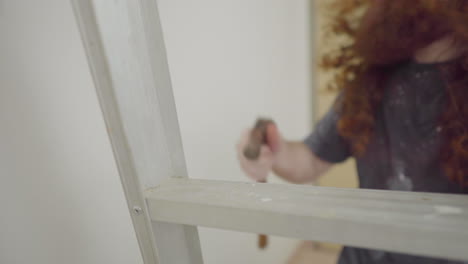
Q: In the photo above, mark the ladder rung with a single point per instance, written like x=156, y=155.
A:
x=427, y=224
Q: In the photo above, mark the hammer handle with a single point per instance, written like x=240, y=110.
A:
x=258, y=137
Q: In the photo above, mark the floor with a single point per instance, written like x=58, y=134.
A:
x=309, y=253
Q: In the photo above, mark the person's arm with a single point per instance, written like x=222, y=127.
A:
x=293, y=161
x=298, y=164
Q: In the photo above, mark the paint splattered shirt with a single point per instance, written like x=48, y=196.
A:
x=403, y=153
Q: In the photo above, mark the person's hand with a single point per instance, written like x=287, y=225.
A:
x=259, y=167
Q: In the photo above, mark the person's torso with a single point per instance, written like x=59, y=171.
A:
x=404, y=152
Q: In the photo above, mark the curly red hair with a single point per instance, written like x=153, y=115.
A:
x=375, y=36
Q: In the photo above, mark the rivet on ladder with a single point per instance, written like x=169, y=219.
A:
x=137, y=210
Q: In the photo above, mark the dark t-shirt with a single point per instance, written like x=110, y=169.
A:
x=404, y=151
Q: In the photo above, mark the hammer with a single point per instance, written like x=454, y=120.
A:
x=258, y=137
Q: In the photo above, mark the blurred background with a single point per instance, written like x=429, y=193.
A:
x=230, y=61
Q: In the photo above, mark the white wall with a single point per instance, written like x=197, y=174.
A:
x=60, y=195
x=230, y=61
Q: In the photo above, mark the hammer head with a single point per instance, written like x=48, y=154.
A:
x=258, y=137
